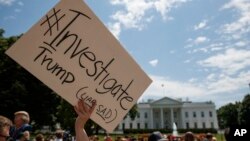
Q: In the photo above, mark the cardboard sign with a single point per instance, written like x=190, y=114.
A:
x=73, y=53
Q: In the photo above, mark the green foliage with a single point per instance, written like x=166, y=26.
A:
x=244, y=114
x=228, y=115
x=235, y=114
x=19, y=90
x=1, y=32
x=133, y=112
x=66, y=115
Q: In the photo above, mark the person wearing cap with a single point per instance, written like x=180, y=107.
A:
x=156, y=136
x=21, y=129
x=209, y=137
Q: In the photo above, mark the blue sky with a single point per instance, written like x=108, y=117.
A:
x=195, y=49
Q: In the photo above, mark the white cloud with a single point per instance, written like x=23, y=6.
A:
x=187, y=61
x=6, y=2
x=229, y=62
x=10, y=18
x=135, y=12
x=241, y=43
x=17, y=10
x=211, y=77
x=241, y=25
x=172, y=52
x=214, y=87
x=20, y=3
x=154, y=62
x=201, y=25
x=165, y=6
x=200, y=40
x=115, y=28
x=227, y=84
x=162, y=86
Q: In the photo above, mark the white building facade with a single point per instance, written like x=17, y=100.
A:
x=162, y=113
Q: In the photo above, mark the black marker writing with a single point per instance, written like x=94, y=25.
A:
x=50, y=19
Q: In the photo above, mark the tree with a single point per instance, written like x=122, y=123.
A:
x=19, y=90
x=1, y=32
x=66, y=115
x=133, y=112
x=228, y=115
x=244, y=114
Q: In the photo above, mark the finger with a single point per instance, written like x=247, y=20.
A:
x=85, y=107
x=92, y=107
x=80, y=106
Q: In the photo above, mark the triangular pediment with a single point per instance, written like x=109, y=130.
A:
x=166, y=101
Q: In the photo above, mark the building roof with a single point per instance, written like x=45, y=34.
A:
x=167, y=101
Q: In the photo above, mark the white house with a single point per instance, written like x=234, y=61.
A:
x=162, y=113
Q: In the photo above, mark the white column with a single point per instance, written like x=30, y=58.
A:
x=162, y=119
x=172, y=117
x=152, y=118
x=181, y=119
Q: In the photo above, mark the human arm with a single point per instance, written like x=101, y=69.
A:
x=83, y=111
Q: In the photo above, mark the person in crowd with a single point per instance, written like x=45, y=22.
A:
x=23, y=136
x=21, y=128
x=84, y=112
x=39, y=137
x=59, y=135
x=156, y=136
x=189, y=136
x=209, y=137
x=5, y=124
x=50, y=138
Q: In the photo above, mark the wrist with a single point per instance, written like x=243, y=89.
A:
x=79, y=122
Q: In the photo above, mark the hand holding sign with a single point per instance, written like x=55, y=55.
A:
x=73, y=53
x=83, y=111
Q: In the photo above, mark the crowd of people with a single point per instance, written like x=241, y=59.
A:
x=158, y=136
x=20, y=129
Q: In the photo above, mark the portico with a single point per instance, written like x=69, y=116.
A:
x=165, y=112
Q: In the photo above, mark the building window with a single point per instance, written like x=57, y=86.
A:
x=202, y=114
x=138, y=115
x=210, y=114
x=203, y=125
x=212, y=125
x=145, y=115
x=175, y=114
x=123, y=125
x=195, y=125
x=165, y=114
x=157, y=126
x=138, y=126
x=131, y=125
x=146, y=125
x=187, y=125
x=194, y=114
x=157, y=115
x=186, y=114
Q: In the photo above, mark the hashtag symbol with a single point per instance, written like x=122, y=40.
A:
x=52, y=21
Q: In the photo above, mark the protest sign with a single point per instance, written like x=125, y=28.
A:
x=74, y=54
